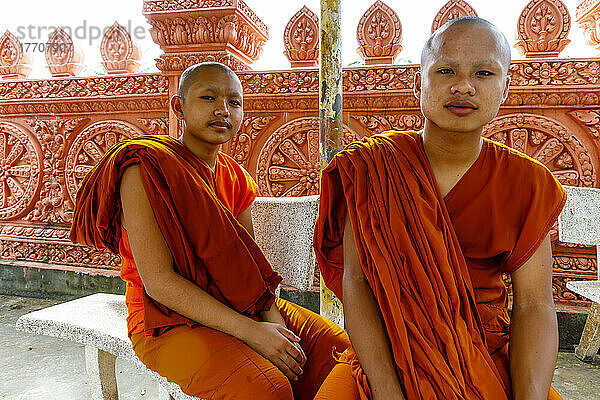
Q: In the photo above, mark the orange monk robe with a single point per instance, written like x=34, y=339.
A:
x=204, y=362
x=217, y=236
x=435, y=264
x=234, y=187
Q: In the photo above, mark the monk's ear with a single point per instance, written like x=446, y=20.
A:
x=417, y=85
x=506, y=87
x=177, y=106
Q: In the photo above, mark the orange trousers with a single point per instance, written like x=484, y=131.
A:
x=210, y=364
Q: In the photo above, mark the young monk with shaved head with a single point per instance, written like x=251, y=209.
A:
x=416, y=229
x=202, y=312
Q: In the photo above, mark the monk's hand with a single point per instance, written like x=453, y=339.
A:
x=280, y=346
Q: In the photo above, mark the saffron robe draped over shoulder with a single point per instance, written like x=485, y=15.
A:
x=201, y=233
x=234, y=187
x=435, y=264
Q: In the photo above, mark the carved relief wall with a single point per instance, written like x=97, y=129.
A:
x=52, y=131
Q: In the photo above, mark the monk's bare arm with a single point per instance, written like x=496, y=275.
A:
x=154, y=262
x=534, y=329
x=245, y=219
x=365, y=325
x=272, y=314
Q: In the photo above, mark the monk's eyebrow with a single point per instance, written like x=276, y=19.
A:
x=212, y=88
x=446, y=63
x=488, y=64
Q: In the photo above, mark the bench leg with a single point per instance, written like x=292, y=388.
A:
x=100, y=367
x=590, y=338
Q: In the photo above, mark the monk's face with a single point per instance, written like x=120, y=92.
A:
x=463, y=80
x=213, y=106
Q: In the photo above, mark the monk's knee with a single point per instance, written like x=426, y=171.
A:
x=339, y=385
x=254, y=381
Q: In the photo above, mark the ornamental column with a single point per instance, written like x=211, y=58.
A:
x=226, y=31
x=330, y=116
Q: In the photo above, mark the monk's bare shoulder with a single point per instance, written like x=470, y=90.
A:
x=133, y=194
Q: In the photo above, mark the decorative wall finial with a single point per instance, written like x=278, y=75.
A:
x=543, y=28
x=64, y=58
x=588, y=18
x=379, y=35
x=120, y=55
x=452, y=10
x=14, y=62
x=301, y=39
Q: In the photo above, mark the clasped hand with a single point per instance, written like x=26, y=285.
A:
x=280, y=346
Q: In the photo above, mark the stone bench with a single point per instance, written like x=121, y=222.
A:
x=579, y=223
x=283, y=228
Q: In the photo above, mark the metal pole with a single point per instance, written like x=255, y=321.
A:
x=330, y=116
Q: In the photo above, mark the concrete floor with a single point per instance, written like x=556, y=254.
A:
x=44, y=368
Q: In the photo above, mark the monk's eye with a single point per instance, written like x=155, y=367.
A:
x=484, y=73
x=207, y=97
x=235, y=103
x=445, y=71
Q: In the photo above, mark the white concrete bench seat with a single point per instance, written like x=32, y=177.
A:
x=283, y=229
x=98, y=322
x=579, y=223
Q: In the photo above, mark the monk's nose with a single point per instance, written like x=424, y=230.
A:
x=221, y=109
x=463, y=86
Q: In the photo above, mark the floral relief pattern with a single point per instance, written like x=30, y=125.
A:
x=20, y=170
x=53, y=204
x=289, y=162
x=89, y=147
x=242, y=145
x=548, y=142
x=301, y=39
x=119, y=53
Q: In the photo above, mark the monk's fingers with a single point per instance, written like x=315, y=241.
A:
x=292, y=364
x=297, y=353
x=289, y=335
x=286, y=370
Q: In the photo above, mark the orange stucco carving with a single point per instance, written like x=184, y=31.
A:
x=120, y=55
x=452, y=10
x=52, y=131
x=301, y=39
x=379, y=35
x=14, y=62
x=543, y=28
x=63, y=56
x=227, y=31
x=588, y=17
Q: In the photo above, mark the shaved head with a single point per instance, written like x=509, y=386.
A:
x=192, y=73
x=436, y=40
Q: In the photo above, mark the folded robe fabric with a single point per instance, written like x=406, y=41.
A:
x=415, y=266
x=206, y=241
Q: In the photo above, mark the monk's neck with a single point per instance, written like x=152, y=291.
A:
x=206, y=152
x=450, y=149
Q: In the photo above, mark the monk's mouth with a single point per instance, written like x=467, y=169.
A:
x=220, y=125
x=460, y=109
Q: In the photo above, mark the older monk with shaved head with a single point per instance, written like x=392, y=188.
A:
x=200, y=293
x=416, y=230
